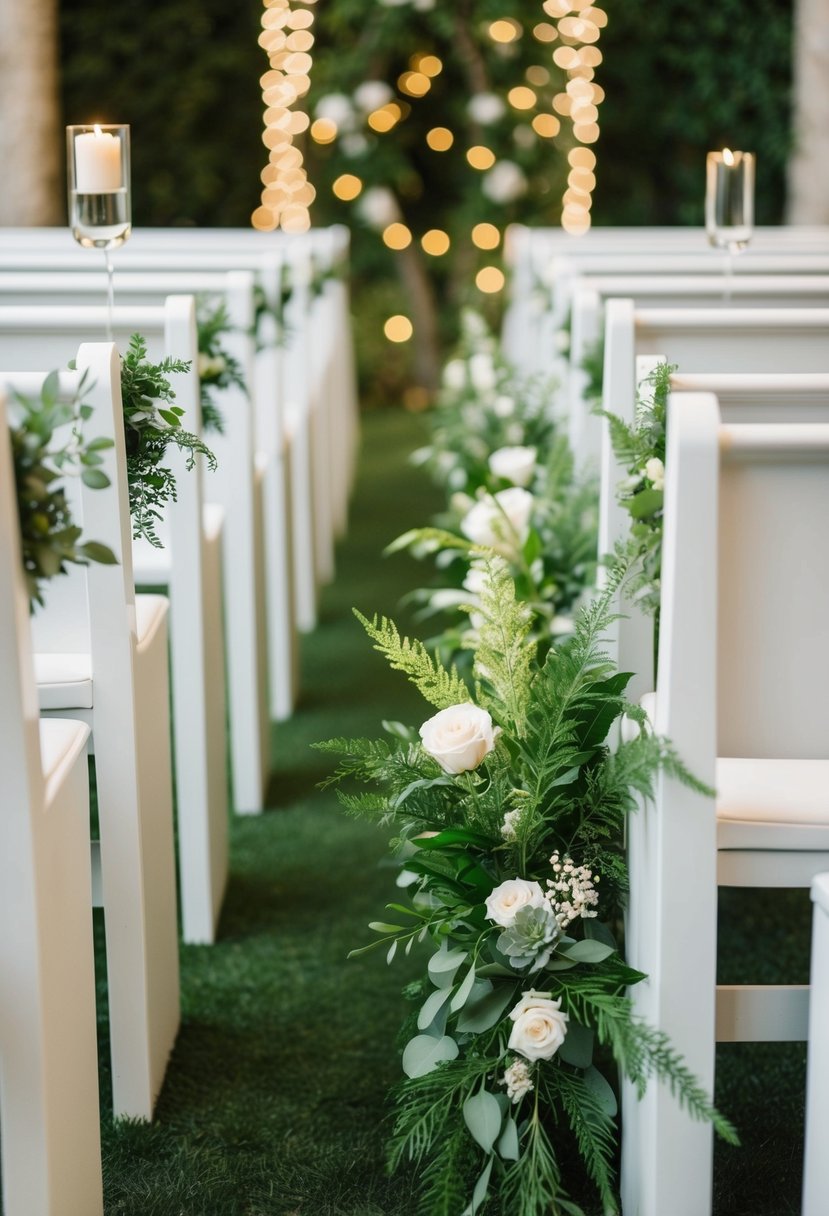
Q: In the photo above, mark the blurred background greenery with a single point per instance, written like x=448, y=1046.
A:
x=678, y=79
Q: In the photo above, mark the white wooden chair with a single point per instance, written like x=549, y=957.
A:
x=816, y=1162
x=51, y=1144
x=190, y=565
x=591, y=292
x=101, y=655
x=742, y=355
x=743, y=666
x=255, y=628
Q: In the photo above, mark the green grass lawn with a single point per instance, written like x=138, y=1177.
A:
x=275, y=1098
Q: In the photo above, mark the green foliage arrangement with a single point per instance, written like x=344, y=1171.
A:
x=641, y=449
x=48, y=445
x=152, y=423
x=509, y=810
x=218, y=369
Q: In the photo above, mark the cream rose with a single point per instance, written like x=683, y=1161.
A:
x=655, y=470
x=500, y=521
x=459, y=737
x=510, y=897
x=540, y=1027
x=515, y=464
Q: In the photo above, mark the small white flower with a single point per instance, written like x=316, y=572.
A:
x=517, y=1080
x=482, y=371
x=655, y=471
x=504, y=407
x=337, y=108
x=515, y=464
x=460, y=502
x=372, y=94
x=473, y=324
x=485, y=108
x=500, y=521
x=509, y=828
x=510, y=897
x=378, y=207
x=524, y=135
x=454, y=374
x=540, y=1026
x=459, y=737
x=504, y=183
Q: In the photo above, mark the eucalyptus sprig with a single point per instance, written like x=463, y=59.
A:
x=151, y=423
x=218, y=368
x=48, y=445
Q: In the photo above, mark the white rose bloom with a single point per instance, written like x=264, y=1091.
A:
x=476, y=580
x=515, y=464
x=540, y=1027
x=378, y=207
x=454, y=374
x=655, y=470
x=500, y=521
x=482, y=372
x=504, y=407
x=504, y=183
x=337, y=108
x=459, y=737
x=372, y=94
x=485, y=108
x=510, y=897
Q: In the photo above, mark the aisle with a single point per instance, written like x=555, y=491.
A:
x=275, y=1093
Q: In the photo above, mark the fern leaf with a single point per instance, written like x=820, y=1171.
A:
x=438, y=686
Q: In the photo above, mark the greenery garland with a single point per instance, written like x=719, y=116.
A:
x=218, y=368
x=152, y=423
x=47, y=445
x=510, y=808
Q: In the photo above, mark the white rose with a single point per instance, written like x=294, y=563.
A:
x=372, y=94
x=504, y=183
x=485, y=108
x=500, y=521
x=482, y=372
x=476, y=580
x=510, y=897
x=454, y=374
x=504, y=407
x=459, y=737
x=515, y=464
x=655, y=470
x=378, y=207
x=540, y=1027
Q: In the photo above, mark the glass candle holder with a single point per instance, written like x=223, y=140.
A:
x=729, y=199
x=98, y=179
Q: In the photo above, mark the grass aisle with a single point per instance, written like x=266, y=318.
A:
x=276, y=1094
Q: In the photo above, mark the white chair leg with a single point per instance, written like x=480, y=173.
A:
x=284, y=649
x=816, y=1159
x=305, y=585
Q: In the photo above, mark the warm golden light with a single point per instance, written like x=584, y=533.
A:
x=557, y=8
x=486, y=236
x=263, y=219
x=566, y=57
x=582, y=179
x=323, y=131
x=546, y=125
x=490, y=279
x=562, y=103
x=480, y=157
x=347, y=186
x=440, y=139
x=397, y=236
x=537, y=75
x=582, y=158
x=398, y=328
x=727, y=156
x=505, y=30
x=545, y=32
x=429, y=65
x=521, y=97
x=590, y=56
x=416, y=84
x=586, y=133
x=435, y=241
x=384, y=119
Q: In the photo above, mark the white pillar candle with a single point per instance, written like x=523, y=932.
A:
x=97, y=162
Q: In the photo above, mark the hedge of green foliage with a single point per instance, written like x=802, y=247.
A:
x=679, y=79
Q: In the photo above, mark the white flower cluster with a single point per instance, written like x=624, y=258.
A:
x=517, y=1080
x=509, y=828
x=572, y=894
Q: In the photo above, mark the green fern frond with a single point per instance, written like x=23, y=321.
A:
x=592, y=1127
x=503, y=655
x=438, y=686
x=422, y=541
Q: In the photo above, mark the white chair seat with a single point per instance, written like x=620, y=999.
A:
x=151, y=566
x=755, y=797
x=61, y=741
x=64, y=681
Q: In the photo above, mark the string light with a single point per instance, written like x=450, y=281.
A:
x=480, y=157
x=521, y=97
x=397, y=236
x=287, y=194
x=505, y=30
x=490, y=279
x=398, y=328
x=347, y=187
x=486, y=236
x=440, y=139
x=435, y=242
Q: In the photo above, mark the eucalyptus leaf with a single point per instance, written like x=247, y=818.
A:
x=94, y=479
x=461, y=996
x=577, y=1048
x=422, y=1054
x=482, y=1116
x=507, y=1146
x=486, y=1011
x=588, y=951
x=598, y=1084
x=432, y=1006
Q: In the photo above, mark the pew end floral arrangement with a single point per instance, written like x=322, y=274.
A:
x=48, y=445
x=218, y=367
x=509, y=809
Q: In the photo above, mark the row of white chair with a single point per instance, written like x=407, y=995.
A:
x=742, y=650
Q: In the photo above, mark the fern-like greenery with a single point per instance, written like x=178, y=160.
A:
x=218, y=368
x=539, y=788
x=152, y=423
